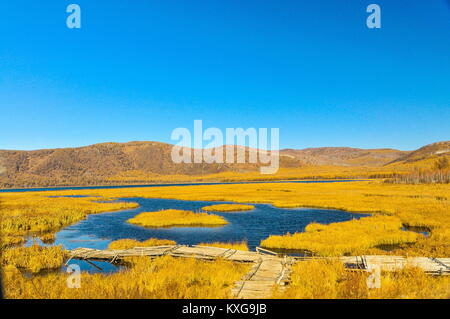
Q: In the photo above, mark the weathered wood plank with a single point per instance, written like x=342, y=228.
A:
x=268, y=271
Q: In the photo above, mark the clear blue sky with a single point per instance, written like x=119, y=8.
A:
x=138, y=69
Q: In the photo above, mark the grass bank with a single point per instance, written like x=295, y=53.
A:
x=322, y=279
x=40, y=214
x=226, y=208
x=161, y=278
x=424, y=205
x=131, y=243
x=175, y=217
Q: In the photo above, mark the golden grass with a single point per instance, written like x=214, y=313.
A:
x=424, y=246
x=297, y=173
x=9, y=241
x=360, y=171
x=412, y=283
x=329, y=280
x=314, y=280
x=48, y=238
x=34, y=258
x=31, y=213
x=175, y=217
x=161, y=278
x=414, y=205
x=350, y=238
x=226, y=208
x=131, y=243
x=237, y=245
x=391, y=205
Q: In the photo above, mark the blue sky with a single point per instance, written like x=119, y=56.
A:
x=138, y=69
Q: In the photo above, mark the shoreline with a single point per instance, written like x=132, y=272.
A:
x=62, y=188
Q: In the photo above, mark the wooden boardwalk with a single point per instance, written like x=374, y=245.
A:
x=432, y=266
x=199, y=252
x=269, y=269
x=265, y=275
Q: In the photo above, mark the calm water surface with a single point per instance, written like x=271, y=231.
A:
x=98, y=230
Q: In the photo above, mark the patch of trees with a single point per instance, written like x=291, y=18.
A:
x=439, y=174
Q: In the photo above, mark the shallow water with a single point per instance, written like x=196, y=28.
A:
x=426, y=231
x=98, y=230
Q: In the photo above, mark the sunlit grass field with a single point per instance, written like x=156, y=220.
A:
x=297, y=173
x=391, y=207
x=230, y=245
x=354, y=237
x=161, y=278
x=38, y=214
x=128, y=243
x=425, y=205
x=175, y=217
x=168, y=277
x=34, y=258
x=326, y=279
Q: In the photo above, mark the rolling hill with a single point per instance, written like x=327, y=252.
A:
x=426, y=152
x=345, y=156
x=95, y=164
x=138, y=162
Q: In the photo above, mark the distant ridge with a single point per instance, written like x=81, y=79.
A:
x=97, y=164
x=94, y=164
x=426, y=152
x=346, y=156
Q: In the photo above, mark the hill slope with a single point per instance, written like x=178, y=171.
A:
x=95, y=164
x=144, y=162
x=426, y=152
x=346, y=156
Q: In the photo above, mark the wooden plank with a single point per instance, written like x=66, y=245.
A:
x=268, y=271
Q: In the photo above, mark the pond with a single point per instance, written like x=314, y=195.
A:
x=98, y=230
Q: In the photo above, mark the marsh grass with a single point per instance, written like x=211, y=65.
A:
x=23, y=214
x=311, y=172
x=10, y=241
x=425, y=205
x=161, y=278
x=48, y=238
x=34, y=258
x=226, y=208
x=346, y=238
x=424, y=246
x=329, y=280
x=131, y=243
x=392, y=205
x=230, y=245
x=175, y=217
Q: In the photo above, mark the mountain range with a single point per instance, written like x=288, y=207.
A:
x=97, y=164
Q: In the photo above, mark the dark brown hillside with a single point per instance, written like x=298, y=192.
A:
x=94, y=164
x=138, y=162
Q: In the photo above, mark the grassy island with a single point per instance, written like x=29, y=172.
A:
x=226, y=208
x=175, y=217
